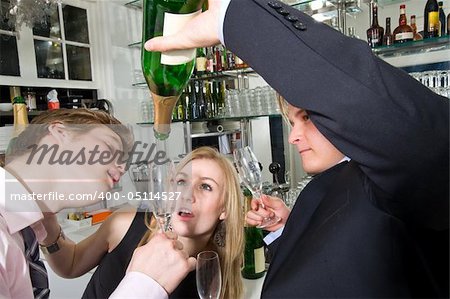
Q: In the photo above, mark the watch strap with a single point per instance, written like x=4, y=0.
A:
x=54, y=247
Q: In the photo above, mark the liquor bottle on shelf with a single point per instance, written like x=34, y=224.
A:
x=210, y=104
x=254, y=260
x=375, y=32
x=230, y=60
x=221, y=98
x=441, y=19
x=223, y=56
x=215, y=95
x=193, y=108
x=166, y=74
x=417, y=36
x=403, y=32
x=201, y=104
x=388, y=38
x=200, y=62
x=218, y=58
x=431, y=19
x=181, y=105
x=20, y=114
x=210, y=61
x=448, y=24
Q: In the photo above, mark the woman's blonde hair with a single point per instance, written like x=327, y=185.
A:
x=231, y=254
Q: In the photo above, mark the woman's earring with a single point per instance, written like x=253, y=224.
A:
x=219, y=234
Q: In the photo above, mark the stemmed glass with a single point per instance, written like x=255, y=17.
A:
x=163, y=197
x=208, y=275
x=250, y=173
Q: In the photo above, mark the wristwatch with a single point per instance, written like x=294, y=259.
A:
x=54, y=247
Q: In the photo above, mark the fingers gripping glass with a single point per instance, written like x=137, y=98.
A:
x=250, y=173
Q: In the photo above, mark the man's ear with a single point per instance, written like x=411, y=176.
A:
x=223, y=215
x=58, y=132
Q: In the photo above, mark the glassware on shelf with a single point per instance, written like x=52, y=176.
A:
x=437, y=81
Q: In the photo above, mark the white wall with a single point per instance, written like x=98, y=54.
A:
x=120, y=26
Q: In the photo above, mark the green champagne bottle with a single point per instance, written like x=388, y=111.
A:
x=166, y=73
x=254, y=260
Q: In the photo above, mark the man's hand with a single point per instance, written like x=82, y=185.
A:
x=201, y=31
x=164, y=260
x=273, y=206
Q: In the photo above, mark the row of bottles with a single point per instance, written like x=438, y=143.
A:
x=200, y=100
x=434, y=26
x=216, y=59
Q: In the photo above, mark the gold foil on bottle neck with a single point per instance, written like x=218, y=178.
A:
x=14, y=91
x=163, y=109
x=20, y=118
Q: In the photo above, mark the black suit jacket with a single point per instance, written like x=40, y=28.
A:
x=374, y=227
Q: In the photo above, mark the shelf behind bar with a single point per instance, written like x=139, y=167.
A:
x=212, y=134
x=222, y=118
x=210, y=76
x=414, y=47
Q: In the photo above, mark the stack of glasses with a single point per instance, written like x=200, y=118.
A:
x=437, y=81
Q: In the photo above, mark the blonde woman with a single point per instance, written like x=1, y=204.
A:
x=213, y=221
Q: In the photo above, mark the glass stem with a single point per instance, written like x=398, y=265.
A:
x=257, y=194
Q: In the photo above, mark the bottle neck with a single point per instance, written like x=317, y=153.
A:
x=388, y=26
x=402, y=18
x=374, y=16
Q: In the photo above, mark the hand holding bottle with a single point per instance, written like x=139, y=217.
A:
x=201, y=31
x=273, y=206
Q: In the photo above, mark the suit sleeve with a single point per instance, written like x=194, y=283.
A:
x=395, y=128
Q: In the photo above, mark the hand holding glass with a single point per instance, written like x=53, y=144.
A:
x=208, y=275
x=250, y=173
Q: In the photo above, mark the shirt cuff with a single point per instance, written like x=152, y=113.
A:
x=273, y=236
x=223, y=10
x=138, y=285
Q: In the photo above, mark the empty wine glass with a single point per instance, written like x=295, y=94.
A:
x=250, y=173
x=208, y=275
x=163, y=196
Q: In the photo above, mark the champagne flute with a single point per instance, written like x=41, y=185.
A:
x=250, y=173
x=208, y=275
x=163, y=197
